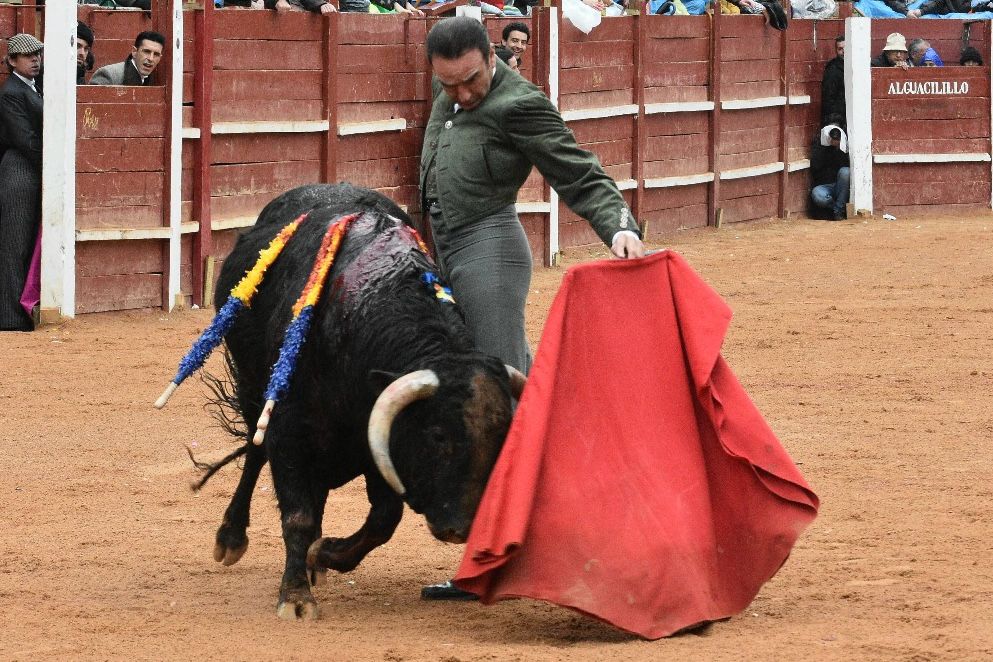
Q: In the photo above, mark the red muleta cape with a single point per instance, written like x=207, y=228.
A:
x=638, y=484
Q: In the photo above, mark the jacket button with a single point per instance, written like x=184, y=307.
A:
x=448, y=124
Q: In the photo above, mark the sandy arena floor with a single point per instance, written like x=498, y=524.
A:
x=865, y=344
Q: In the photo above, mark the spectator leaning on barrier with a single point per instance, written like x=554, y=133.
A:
x=507, y=56
x=84, y=51
x=916, y=48
x=138, y=67
x=941, y=7
x=931, y=59
x=833, y=87
x=970, y=57
x=516, y=37
x=21, y=112
x=894, y=53
x=319, y=6
x=829, y=169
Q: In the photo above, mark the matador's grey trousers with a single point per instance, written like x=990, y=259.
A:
x=488, y=266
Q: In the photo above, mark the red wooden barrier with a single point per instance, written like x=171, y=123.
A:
x=690, y=115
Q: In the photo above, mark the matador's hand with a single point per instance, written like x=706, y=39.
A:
x=627, y=245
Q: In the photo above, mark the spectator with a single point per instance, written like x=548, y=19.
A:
x=774, y=13
x=899, y=6
x=21, y=112
x=833, y=87
x=829, y=168
x=394, y=7
x=515, y=38
x=84, y=51
x=941, y=7
x=916, y=48
x=500, y=8
x=931, y=59
x=894, y=53
x=138, y=67
x=319, y=6
x=970, y=57
x=508, y=57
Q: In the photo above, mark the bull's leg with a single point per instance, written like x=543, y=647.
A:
x=294, y=484
x=231, y=540
x=318, y=575
x=344, y=554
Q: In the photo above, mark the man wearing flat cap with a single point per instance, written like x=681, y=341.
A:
x=21, y=110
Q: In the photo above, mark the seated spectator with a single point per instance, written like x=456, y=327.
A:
x=394, y=7
x=515, y=38
x=320, y=6
x=774, y=13
x=829, y=169
x=916, y=49
x=970, y=57
x=931, y=59
x=899, y=6
x=814, y=8
x=941, y=7
x=500, y=8
x=119, y=4
x=84, y=51
x=894, y=53
x=508, y=57
x=138, y=67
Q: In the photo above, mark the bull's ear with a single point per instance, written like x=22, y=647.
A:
x=380, y=379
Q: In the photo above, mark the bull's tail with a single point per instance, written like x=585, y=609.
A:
x=211, y=468
x=225, y=407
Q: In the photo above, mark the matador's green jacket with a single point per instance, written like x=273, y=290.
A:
x=484, y=155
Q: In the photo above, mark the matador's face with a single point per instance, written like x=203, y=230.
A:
x=467, y=78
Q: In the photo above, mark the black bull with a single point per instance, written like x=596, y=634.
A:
x=377, y=320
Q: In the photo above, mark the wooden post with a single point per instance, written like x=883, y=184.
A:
x=168, y=21
x=203, y=89
x=329, y=100
x=640, y=122
x=554, y=39
x=858, y=109
x=784, y=116
x=715, y=115
x=58, y=189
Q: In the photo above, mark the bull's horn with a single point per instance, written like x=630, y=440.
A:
x=517, y=381
x=404, y=390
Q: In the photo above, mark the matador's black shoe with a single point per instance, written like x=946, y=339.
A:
x=446, y=591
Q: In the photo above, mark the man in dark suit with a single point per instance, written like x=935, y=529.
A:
x=138, y=67
x=21, y=112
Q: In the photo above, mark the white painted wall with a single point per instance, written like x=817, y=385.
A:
x=858, y=109
x=58, y=193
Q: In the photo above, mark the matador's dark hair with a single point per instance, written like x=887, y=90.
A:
x=454, y=37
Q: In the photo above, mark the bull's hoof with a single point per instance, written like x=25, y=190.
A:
x=230, y=544
x=332, y=553
x=298, y=606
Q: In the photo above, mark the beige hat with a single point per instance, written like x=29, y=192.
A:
x=23, y=44
x=895, y=42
